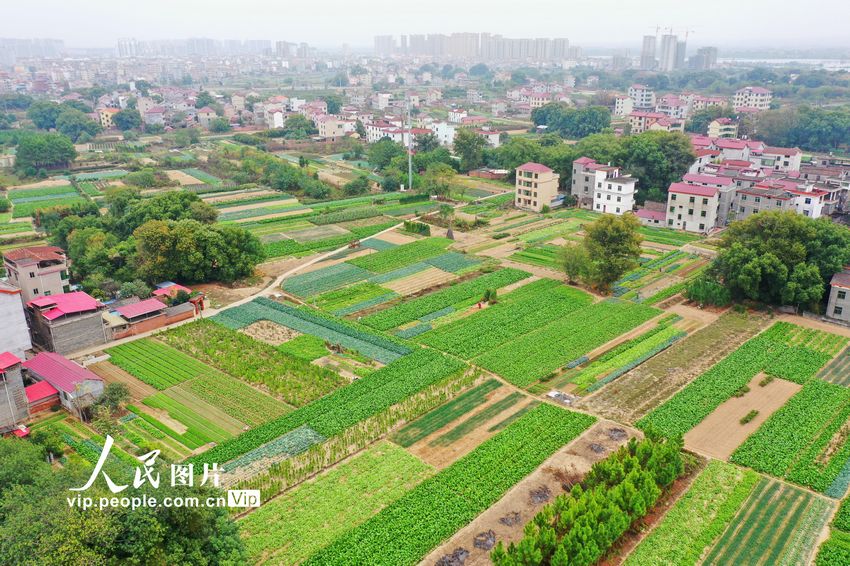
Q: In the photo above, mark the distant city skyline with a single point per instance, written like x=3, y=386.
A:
x=590, y=23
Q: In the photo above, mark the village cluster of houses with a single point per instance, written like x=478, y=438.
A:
x=39, y=311
x=645, y=111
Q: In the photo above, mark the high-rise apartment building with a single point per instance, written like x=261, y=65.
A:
x=647, y=53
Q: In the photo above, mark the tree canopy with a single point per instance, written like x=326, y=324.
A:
x=572, y=122
x=612, y=244
x=469, y=146
x=781, y=258
x=37, y=150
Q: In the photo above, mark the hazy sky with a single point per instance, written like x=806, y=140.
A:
x=99, y=23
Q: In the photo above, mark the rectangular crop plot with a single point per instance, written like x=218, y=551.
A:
x=295, y=381
x=697, y=518
x=156, y=364
x=310, y=321
x=347, y=406
x=838, y=370
x=516, y=314
x=197, y=426
x=806, y=440
x=778, y=351
x=444, y=414
x=303, y=520
x=406, y=530
x=237, y=399
x=325, y=279
x=318, y=233
x=526, y=359
x=414, y=309
x=778, y=524
x=400, y=256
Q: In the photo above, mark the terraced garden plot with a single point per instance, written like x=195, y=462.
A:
x=806, y=441
x=332, y=414
x=460, y=293
x=287, y=529
x=310, y=321
x=197, y=426
x=777, y=525
x=192, y=441
x=838, y=370
x=346, y=215
x=453, y=262
x=401, y=256
x=155, y=363
x=406, y=530
x=279, y=210
x=25, y=209
x=520, y=312
x=776, y=351
x=285, y=248
x=237, y=399
x=444, y=414
x=202, y=176
x=24, y=194
x=697, y=518
x=101, y=175
x=142, y=433
x=295, y=381
x=645, y=387
x=530, y=357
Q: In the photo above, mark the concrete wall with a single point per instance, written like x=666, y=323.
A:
x=14, y=336
x=13, y=399
x=69, y=335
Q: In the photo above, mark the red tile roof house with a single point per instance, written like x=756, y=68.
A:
x=66, y=322
x=143, y=316
x=78, y=387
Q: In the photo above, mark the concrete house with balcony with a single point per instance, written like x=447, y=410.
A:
x=38, y=271
x=536, y=187
x=602, y=188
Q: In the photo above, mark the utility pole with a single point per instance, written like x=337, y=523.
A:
x=409, y=147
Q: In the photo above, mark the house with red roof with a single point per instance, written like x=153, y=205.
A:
x=13, y=401
x=139, y=316
x=838, y=305
x=78, y=387
x=66, y=322
x=205, y=116
x=38, y=271
x=536, y=187
x=693, y=208
x=41, y=396
x=723, y=128
x=15, y=337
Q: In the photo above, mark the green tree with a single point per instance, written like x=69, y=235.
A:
x=128, y=119
x=204, y=99
x=426, y=142
x=44, y=114
x=115, y=396
x=74, y=123
x=360, y=129
x=44, y=150
x=437, y=179
x=298, y=127
x=219, y=125
x=382, y=152
x=357, y=186
x=334, y=103
x=469, y=146
x=575, y=262
x=613, y=244
x=135, y=288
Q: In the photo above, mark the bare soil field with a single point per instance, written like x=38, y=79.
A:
x=113, y=374
x=317, y=233
x=394, y=237
x=43, y=184
x=648, y=385
x=693, y=318
x=418, y=281
x=507, y=517
x=276, y=215
x=182, y=178
x=269, y=332
x=238, y=196
x=722, y=432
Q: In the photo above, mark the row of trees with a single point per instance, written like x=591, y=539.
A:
x=581, y=526
x=69, y=118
